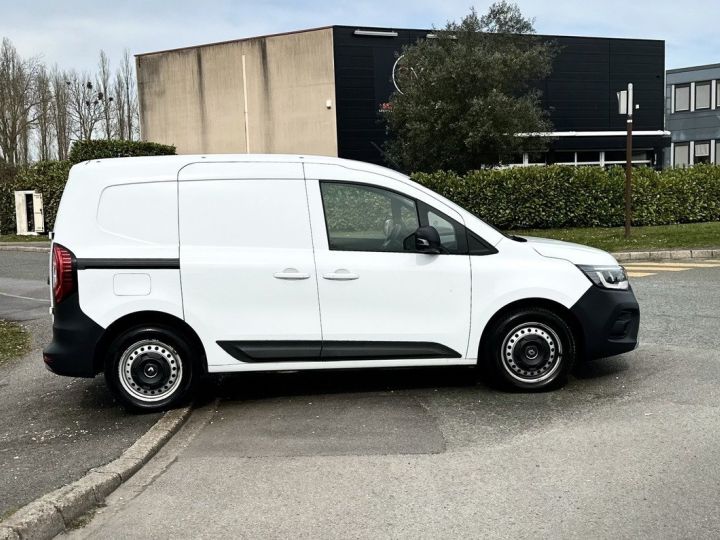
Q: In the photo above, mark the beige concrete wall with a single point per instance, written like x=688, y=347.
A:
x=193, y=98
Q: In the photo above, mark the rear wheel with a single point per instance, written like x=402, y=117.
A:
x=531, y=349
x=150, y=367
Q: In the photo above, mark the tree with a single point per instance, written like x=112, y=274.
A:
x=106, y=100
x=85, y=105
x=18, y=100
x=62, y=121
x=466, y=93
x=44, y=114
x=42, y=111
x=126, y=103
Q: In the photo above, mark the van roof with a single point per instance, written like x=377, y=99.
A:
x=168, y=166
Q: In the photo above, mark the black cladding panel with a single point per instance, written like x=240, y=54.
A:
x=579, y=94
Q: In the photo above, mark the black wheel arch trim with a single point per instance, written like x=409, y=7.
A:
x=147, y=318
x=529, y=303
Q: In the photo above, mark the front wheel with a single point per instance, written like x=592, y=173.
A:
x=150, y=367
x=531, y=349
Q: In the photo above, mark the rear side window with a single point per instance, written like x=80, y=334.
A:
x=262, y=214
x=145, y=212
x=367, y=218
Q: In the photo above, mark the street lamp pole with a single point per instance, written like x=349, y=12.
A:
x=628, y=162
x=626, y=105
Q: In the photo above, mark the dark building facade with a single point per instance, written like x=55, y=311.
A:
x=580, y=95
x=321, y=91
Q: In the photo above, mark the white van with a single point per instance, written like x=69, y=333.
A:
x=165, y=268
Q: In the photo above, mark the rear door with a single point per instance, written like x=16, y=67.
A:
x=246, y=261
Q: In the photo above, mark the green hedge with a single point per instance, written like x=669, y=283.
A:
x=100, y=149
x=518, y=198
x=562, y=196
x=46, y=177
x=7, y=200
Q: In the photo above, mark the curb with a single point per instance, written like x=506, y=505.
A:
x=38, y=249
x=625, y=256
x=51, y=514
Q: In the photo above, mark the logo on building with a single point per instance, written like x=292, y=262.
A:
x=401, y=72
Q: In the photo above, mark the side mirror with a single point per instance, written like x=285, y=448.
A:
x=427, y=240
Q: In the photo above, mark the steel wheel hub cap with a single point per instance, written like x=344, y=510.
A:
x=150, y=370
x=531, y=352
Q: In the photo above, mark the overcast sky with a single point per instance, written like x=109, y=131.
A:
x=71, y=32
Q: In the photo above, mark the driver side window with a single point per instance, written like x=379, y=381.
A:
x=367, y=218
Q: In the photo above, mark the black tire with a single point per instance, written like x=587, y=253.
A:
x=158, y=365
x=530, y=349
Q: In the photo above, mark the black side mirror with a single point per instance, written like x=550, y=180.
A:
x=427, y=240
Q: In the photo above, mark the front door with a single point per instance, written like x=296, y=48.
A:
x=380, y=299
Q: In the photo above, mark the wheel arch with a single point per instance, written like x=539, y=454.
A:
x=526, y=303
x=149, y=318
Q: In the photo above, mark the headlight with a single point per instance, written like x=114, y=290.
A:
x=607, y=277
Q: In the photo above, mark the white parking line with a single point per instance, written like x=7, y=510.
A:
x=25, y=297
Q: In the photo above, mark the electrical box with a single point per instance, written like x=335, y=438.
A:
x=29, y=213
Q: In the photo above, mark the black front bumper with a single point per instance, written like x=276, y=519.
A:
x=75, y=336
x=609, y=322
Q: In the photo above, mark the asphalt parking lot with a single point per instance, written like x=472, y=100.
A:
x=52, y=429
x=628, y=449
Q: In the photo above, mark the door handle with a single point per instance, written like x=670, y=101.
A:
x=341, y=275
x=291, y=274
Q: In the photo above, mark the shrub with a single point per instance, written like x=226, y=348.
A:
x=561, y=196
x=101, y=149
x=7, y=200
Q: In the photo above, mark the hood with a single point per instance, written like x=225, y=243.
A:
x=575, y=253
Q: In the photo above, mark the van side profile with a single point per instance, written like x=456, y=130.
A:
x=166, y=268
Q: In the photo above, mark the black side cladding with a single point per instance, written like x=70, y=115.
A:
x=128, y=264
x=317, y=351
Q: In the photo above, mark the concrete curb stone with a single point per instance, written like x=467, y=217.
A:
x=38, y=520
x=7, y=533
x=52, y=513
x=670, y=254
x=34, y=249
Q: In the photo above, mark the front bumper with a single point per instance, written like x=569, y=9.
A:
x=609, y=321
x=75, y=336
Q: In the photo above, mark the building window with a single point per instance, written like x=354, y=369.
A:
x=717, y=152
x=702, y=95
x=537, y=158
x=682, y=98
x=702, y=152
x=564, y=157
x=588, y=158
x=619, y=157
x=682, y=155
